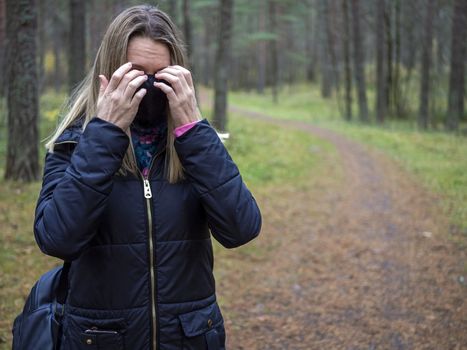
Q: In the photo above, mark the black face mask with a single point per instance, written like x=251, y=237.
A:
x=153, y=107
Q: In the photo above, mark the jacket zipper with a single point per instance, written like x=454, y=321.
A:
x=59, y=143
x=148, y=196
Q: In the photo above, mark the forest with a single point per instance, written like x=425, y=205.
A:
x=379, y=59
x=347, y=121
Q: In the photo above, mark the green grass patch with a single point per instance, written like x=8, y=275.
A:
x=439, y=159
x=297, y=102
x=267, y=155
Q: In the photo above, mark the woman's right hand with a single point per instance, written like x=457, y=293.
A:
x=117, y=102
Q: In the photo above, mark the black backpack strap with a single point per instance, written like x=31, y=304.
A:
x=61, y=292
x=62, y=288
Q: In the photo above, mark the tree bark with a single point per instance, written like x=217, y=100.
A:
x=96, y=22
x=187, y=31
x=59, y=74
x=41, y=25
x=387, y=25
x=396, y=89
x=457, y=70
x=309, y=32
x=2, y=45
x=331, y=26
x=206, y=54
x=262, y=51
x=172, y=10
x=77, y=48
x=359, y=62
x=274, y=55
x=423, y=111
x=409, y=52
x=325, y=59
x=348, y=76
x=23, y=107
x=222, y=65
x=380, y=77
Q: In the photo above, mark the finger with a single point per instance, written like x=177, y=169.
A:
x=127, y=78
x=175, y=72
x=134, y=85
x=103, y=84
x=186, y=74
x=117, y=77
x=137, y=98
x=168, y=91
x=178, y=84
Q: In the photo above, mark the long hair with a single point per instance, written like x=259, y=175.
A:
x=145, y=21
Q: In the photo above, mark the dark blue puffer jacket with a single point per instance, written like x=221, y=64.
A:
x=142, y=261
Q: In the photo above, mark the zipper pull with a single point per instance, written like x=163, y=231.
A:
x=147, y=189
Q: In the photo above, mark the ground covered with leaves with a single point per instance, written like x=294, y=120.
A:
x=358, y=257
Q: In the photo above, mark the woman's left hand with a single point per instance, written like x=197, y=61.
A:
x=181, y=94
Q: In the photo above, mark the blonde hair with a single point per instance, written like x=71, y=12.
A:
x=145, y=21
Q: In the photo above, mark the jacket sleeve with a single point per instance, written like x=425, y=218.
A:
x=75, y=188
x=233, y=215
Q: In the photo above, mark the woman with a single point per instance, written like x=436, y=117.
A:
x=134, y=183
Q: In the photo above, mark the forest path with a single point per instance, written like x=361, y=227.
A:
x=356, y=260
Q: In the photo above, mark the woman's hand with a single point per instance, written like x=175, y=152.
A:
x=117, y=102
x=181, y=94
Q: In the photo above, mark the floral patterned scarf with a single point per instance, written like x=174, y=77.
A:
x=148, y=141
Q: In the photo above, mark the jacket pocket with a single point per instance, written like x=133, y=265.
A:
x=96, y=333
x=203, y=328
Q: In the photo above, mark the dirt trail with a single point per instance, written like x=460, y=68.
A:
x=357, y=260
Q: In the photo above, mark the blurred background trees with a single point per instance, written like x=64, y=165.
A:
x=379, y=59
x=356, y=50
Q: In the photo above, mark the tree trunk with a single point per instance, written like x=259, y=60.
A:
x=23, y=108
x=316, y=42
x=409, y=50
x=41, y=24
x=423, y=111
x=206, y=54
x=309, y=33
x=458, y=58
x=77, y=48
x=274, y=51
x=410, y=34
x=2, y=46
x=172, y=10
x=359, y=62
x=262, y=51
x=348, y=76
x=96, y=23
x=58, y=75
x=222, y=65
x=380, y=77
x=387, y=25
x=331, y=26
x=187, y=31
x=325, y=61
x=396, y=89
